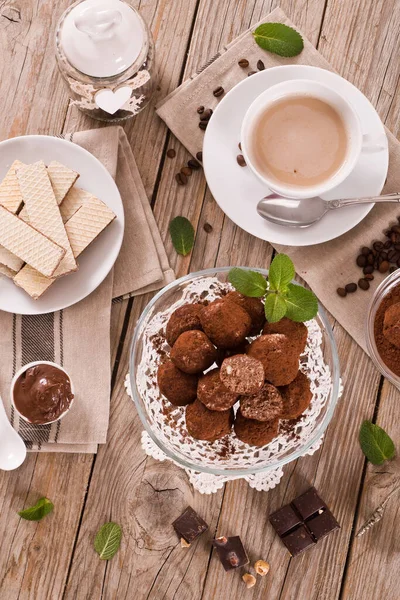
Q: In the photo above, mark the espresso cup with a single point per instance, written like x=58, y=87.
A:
x=312, y=89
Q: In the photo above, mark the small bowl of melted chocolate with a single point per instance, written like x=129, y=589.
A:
x=42, y=392
x=383, y=328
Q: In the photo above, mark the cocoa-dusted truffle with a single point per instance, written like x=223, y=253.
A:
x=296, y=397
x=208, y=425
x=278, y=356
x=212, y=392
x=253, y=306
x=178, y=387
x=184, y=318
x=226, y=324
x=255, y=433
x=193, y=352
x=391, y=324
x=242, y=374
x=266, y=405
x=296, y=332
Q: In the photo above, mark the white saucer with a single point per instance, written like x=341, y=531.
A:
x=97, y=261
x=237, y=190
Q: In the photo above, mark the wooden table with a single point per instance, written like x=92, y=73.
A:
x=54, y=559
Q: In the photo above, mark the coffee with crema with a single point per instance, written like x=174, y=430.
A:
x=299, y=141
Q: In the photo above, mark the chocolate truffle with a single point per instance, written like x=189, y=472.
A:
x=178, y=387
x=208, y=425
x=242, y=374
x=223, y=353
x=391, y=324
x=255, y=433
x=226, y=324
x=296, y=332
x=253, y=306
x=212, y=392
x=193, y=352
x=184, y=318
x=266, y=405
x=296, y=397
x=279, y=358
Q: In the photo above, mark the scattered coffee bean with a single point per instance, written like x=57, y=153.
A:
x=240, y=160
x=200, y=109
x=384, y=267
x=368, y=270
x=361, y=260
x=171, y=153
x=260, y=65
x=387, y=244
x=199, y=156
x=203, y=125
x=193, y=164
x=369, y=277
x=370, y=259
x=391, y=254
x=378, y=246
x=341, y=292
x=240, y=146
x=363, y=284
x=396, y=228
x=187, y=171
x=365, y=250
x=207, y=227
x=250, y=73
x=181, y=179
x=206, y=116
x=383, y=255
x=350, y=288
x=244, y=63
x=219, y=91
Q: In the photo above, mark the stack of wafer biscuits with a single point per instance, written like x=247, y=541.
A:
x=45, y=224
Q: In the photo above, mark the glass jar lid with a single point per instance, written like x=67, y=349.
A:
x=102, y=38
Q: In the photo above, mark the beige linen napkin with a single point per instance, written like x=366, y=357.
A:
x=79, y=337
x=325, y=267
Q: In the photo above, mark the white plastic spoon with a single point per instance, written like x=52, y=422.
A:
x=12, y=447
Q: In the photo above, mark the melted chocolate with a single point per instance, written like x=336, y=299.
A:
x=42, y=393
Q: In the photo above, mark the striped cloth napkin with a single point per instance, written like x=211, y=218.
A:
x=325, y=267
x=78, y=338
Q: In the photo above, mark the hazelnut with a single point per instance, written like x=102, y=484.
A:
x=249, y=580
x=184, y=544
x=222, y=540
x=261, y=567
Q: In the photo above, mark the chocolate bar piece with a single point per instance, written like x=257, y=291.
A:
x=189, y=526
x=231, y=552
x=303, y=522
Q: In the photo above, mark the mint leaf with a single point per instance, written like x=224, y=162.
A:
x=281, y=272
x=35, y=513
x=182, y=234
x=279, y=39
x=275, y=308
x=302, y=304
x=375, y=443
x=249, y=283
x=108, y=540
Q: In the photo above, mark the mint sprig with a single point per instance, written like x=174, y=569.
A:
x=182, y=235
x=36, y=513
x=376, y=443
x=282, y=298
x=108, y=540
x=279, y=39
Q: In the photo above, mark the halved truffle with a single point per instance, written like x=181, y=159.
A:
x=208, y=425
x=226, y=324
x=296, y=332
x=193, y=352
x=266, y=405
x=255, y=433
x=184, y=318
x=212, y=392
x=253, y=306
x=242, y=374
x=178, y=387
x=296, y=397
x=278, y=356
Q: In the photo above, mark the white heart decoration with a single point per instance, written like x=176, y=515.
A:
x=111, y=101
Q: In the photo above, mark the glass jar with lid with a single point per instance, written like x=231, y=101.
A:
x=105, y=53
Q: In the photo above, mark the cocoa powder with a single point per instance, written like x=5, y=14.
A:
x=389, y=353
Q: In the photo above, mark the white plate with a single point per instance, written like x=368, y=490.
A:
x=97, y=261
x=237, y=190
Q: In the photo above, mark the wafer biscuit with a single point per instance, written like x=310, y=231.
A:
x=83, y=227
x=11, y=198
x=7, y=272
x=28, y=244
x=44, y=213
x=72, y=202
x=62, y=179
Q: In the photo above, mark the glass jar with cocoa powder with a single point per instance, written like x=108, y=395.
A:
x=383, y=328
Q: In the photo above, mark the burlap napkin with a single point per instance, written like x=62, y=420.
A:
x=79, y=337
x=325, y=267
